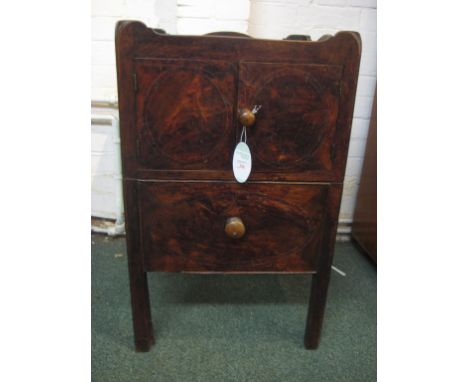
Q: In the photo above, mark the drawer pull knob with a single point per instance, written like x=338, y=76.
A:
x=234, y=228
x=246, y=117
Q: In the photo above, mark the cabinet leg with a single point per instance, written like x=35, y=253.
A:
x=141, y=311
x=316, y=309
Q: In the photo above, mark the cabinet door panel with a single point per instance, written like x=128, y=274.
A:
x=184, y=114
x=295, y=128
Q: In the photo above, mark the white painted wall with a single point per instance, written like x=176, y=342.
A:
x=105, y=14
x=260, y=18
x=204, y=16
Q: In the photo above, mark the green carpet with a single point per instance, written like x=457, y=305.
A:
x=233, y=328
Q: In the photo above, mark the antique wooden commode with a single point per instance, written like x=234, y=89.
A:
x=183, y=102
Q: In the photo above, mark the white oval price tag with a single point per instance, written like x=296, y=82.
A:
x=242, y=162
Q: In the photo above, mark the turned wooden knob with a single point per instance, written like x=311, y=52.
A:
x=246, y=117
x=234, y=228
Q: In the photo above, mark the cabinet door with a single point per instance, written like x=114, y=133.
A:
x=295, y=129
x=184, y=114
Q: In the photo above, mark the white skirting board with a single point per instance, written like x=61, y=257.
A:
x=106, y=173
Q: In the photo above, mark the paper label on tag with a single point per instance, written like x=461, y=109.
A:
x=242, y=162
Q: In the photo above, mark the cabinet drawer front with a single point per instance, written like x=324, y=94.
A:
x=296, y=126
x=183, y=226
x=184, y=114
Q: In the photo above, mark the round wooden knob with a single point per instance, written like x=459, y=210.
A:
x=246, y=117
x=234, y=228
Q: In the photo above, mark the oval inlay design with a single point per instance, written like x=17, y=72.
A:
x=183, y=226
x=186, y=115
x=198, y=222
x=295, y=115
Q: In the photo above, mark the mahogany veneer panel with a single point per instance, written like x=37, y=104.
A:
x=184, y=114
x=182, y=226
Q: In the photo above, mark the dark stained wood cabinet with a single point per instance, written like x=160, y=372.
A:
x=179, y=103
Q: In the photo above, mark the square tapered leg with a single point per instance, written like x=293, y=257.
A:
x=141, y=311
x=316, y=309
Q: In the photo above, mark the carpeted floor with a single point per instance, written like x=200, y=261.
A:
x=233, y=328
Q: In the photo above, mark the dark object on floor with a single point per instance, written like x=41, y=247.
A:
x=214, y=328
x=182, y=103
x=364, y=228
